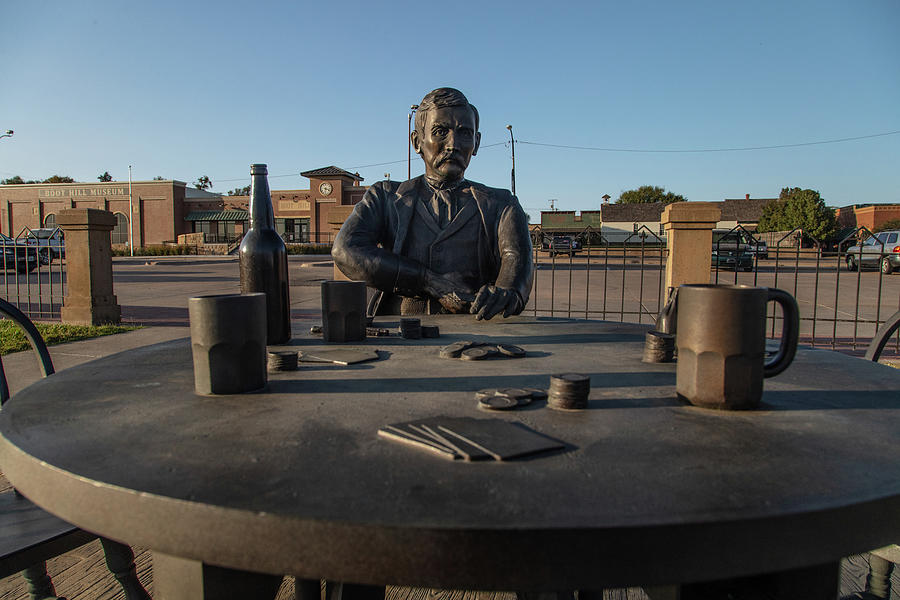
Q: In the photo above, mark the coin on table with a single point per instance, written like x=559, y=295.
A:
x=456, y=348
x=498, y=402
x=537, y=394
x=479, y=353
x=510, y=350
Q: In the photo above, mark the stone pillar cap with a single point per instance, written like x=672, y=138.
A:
x=85, y=216
x=691, y=212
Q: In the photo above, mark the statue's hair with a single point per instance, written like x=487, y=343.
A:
x=442, y=98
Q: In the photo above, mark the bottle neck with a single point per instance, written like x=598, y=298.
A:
x=261, y=214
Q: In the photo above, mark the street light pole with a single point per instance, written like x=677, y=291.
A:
x=9, y=133
x=512, y=141
x=412, y=110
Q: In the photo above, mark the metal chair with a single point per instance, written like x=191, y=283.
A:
x=882, y=560
x=29, y=536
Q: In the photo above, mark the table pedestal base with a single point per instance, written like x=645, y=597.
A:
x=821, y=582
x=182, y=579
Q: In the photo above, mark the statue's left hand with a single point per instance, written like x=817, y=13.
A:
x=492, y=300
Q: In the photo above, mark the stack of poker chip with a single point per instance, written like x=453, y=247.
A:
x=659, y=347
x=282, y=360
x=569, y=391
x=411, y=329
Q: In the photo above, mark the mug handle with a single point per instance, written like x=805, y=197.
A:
x=790, y=333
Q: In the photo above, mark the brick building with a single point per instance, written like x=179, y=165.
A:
x=165, y=209
x=870, y=216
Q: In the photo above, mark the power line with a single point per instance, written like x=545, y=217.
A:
x=392, y=162
x=686, y=151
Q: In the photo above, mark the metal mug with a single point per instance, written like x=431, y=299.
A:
x=721, y=340
x=343, y=311
x=228, y=342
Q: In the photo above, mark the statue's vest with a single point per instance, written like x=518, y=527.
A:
x=452, y=249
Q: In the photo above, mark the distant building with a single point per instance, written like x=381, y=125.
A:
x=870, y=216
x=165, y=209
x=620, y=222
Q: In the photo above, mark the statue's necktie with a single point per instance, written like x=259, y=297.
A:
x=442, y=204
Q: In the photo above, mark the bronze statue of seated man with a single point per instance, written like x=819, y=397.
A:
x=440, y=243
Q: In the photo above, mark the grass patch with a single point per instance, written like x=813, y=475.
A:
x=12, y=339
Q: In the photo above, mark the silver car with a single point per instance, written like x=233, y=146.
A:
x=881, y=250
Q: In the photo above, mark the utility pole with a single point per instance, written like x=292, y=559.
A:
x=512, y=141
x=409, y=119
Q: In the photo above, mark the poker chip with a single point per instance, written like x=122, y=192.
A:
x=479, y=353
x=498, y=402
x=510, y=350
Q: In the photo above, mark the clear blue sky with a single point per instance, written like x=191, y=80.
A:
x=184, y=89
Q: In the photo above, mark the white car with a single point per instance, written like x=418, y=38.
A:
x=881, y=250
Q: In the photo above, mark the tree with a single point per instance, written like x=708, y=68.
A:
x=244, y=191
x=649, y=194
x=159, y=178
x=14, y=180
x=799, y=209
x=105, y=177
x=203, y=183
x=59, y=179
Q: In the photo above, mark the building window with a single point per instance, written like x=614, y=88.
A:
x=662, y=230
x=50, y=221
x=119, y=233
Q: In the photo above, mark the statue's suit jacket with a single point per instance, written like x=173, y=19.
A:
x=370, y=244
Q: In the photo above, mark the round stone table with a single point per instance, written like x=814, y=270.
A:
x=295, y=480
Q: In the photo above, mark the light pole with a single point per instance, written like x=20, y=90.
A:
x=512, y=175
x=409, y=118
x=9, y=133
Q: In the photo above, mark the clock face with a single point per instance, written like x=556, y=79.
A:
x=325, y=188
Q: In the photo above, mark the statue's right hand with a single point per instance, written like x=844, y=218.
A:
x=448, y=293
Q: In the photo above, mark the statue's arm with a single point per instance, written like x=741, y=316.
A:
x=509, y=293
x=514, y=242
x=361, y=249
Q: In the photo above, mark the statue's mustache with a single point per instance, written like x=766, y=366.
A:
x=451, y=155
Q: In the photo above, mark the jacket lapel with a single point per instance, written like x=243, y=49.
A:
x=405, y=205
x=462, y=217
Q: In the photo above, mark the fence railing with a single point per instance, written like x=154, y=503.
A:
x=34, y=274
x=840, y=309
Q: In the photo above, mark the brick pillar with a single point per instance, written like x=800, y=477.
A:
x=89, y=298
x=689, y=228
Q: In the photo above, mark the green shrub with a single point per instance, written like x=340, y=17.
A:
x=309, y=248
x=158, y=250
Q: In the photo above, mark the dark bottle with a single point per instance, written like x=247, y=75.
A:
x=264, y=259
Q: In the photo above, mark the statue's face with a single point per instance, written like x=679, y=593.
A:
x=448, y=142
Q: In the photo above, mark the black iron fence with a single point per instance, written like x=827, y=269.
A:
x=843, y=295
x=34, y=272
x=620, y=281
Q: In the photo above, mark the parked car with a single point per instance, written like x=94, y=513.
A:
x=881, y=250
x=738, y=240
x=563, y=244
x=729, y=259
x=51, y=243
x=18, y=256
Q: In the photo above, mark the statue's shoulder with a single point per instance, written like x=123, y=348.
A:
x=384, y=189
x=499, y=195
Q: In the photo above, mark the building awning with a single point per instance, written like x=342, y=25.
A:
x=218, y=215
